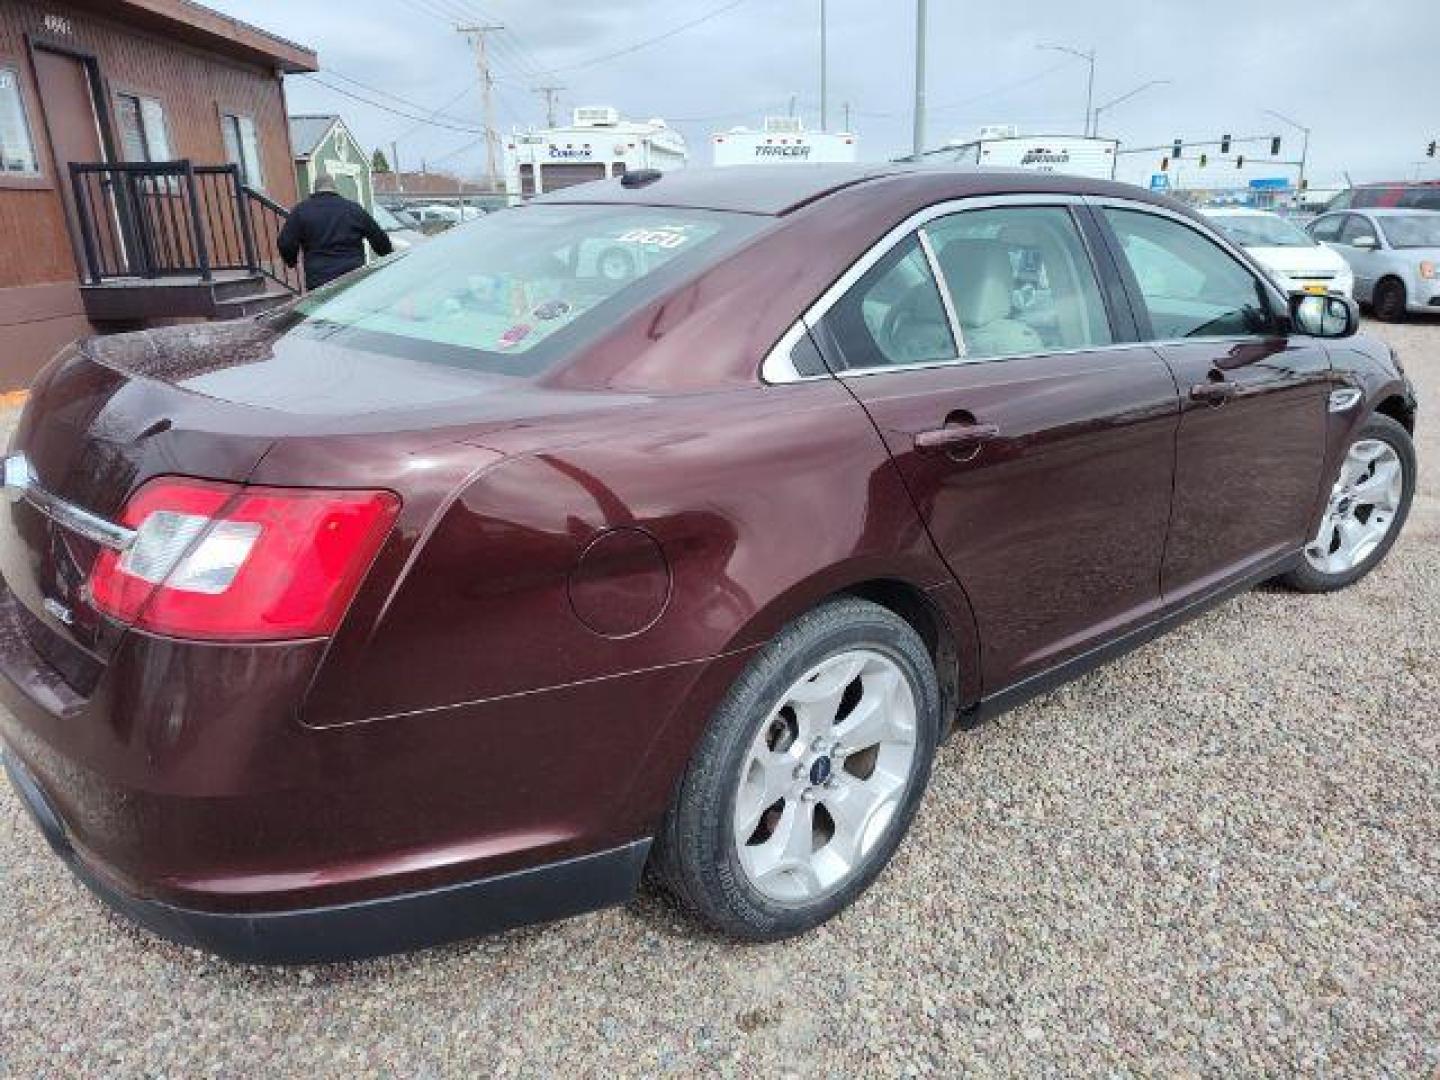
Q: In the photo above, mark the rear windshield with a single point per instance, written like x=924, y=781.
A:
x=519, y=289
x=1412, y=230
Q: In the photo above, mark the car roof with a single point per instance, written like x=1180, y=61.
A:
x=781, y=189
x=1236, y=211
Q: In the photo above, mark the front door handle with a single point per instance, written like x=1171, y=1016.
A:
x=1215, y=391
x=953, y=435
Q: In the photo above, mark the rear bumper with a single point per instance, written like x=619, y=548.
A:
x=366, y=928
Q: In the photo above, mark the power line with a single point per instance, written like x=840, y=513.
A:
x=386, y=108
x=436, y=112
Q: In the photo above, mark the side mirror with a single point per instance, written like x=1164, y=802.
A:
x=1368, y=242
x=1325, y=316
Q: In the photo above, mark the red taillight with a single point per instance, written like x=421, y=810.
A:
x=217, y=561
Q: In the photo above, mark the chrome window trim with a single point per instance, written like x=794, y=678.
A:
x=776, y=363
x=957, y=337
x=21, y=483
x=1209, y=232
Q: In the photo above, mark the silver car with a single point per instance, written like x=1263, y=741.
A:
x=1394, y=253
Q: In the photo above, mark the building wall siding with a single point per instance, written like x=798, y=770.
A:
x=194, y=87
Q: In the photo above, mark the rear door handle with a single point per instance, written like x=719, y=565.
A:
x=952, y=435
x=1215, y=391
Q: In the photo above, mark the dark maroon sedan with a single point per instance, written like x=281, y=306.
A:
x=671, y=520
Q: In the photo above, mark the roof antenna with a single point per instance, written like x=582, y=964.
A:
x=639, y=178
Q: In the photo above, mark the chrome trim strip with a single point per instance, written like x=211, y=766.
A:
x=21, y=483
x=772, y=368
x=957, y=337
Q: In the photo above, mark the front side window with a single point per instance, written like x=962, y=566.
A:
x=1020, y=281
x=17, y=146
x=143, y=133
x=1328, y=228
x=513, y=292
x=1192, y=287
x=242, y=147
x=1354, y=228
x=891, y=317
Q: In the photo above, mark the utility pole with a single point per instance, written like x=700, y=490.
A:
x=549, y=93
x=917, y=142
x=395, y=166
x=824, y=113
x=847, y=117
x=476, y=33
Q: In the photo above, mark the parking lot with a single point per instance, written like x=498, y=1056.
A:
x=1219, y=853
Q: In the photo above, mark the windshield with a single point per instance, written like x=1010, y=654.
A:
x=386, y=220
x=515, y=290
x=1261, y=230
x=1412, y=230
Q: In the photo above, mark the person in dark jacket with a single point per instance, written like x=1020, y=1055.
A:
x=331, y=232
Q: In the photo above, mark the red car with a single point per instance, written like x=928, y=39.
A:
x=452, y=596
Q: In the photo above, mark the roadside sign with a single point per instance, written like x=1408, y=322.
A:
x=1270, y=183
x=1159, y=182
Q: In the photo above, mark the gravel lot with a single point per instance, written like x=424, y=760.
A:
x=1221, y=853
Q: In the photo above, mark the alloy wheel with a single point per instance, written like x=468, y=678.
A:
x=825, y=775
x=1362, y=508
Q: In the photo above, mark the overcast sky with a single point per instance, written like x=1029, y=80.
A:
x=1363, y=74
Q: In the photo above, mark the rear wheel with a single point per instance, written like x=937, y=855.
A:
x=1367, y=506
x=808, y=776
x=1389, y=300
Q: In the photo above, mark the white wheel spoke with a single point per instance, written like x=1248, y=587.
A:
x=859, y=810
x=768, y=777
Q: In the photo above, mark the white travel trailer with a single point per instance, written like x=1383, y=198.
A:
x=1070, y=154
x=782, y=141
x=597, y=144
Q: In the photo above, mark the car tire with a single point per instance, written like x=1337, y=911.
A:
x=1326, y=565
x=770, y=737
x=1389, y=301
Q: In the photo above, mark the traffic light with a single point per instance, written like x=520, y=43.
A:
x=1239, y=161
x=1204, y=160
x=1275, y=146
x=1175, y=153
x=1224, y=144
x=1431, y=152
x=1164, y=164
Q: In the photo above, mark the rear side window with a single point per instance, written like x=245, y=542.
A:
x=511, y=292
x=1020, y=281
x=1191, y=286
x=892, y=316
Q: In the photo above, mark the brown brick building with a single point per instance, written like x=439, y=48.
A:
x=139, y=82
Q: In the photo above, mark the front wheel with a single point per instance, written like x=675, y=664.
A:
x=1389, y=301
x=809, y=775
x=1365, y=511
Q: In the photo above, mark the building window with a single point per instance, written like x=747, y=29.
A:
x=143, y=134
x=243, y=148
x=17, y=146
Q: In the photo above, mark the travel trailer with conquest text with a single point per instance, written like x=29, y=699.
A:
x=597, y=144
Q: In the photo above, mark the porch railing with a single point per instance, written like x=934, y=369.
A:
x=175, y=219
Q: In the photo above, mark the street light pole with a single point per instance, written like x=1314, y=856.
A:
x=1304, y=140
x=824, y=112
x=1122, y=98
x=1089, y=58
x=918, y=137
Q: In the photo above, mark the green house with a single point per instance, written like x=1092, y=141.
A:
x=323, y=144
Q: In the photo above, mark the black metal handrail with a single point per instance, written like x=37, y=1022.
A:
x=171, y=219
x=267, y=218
